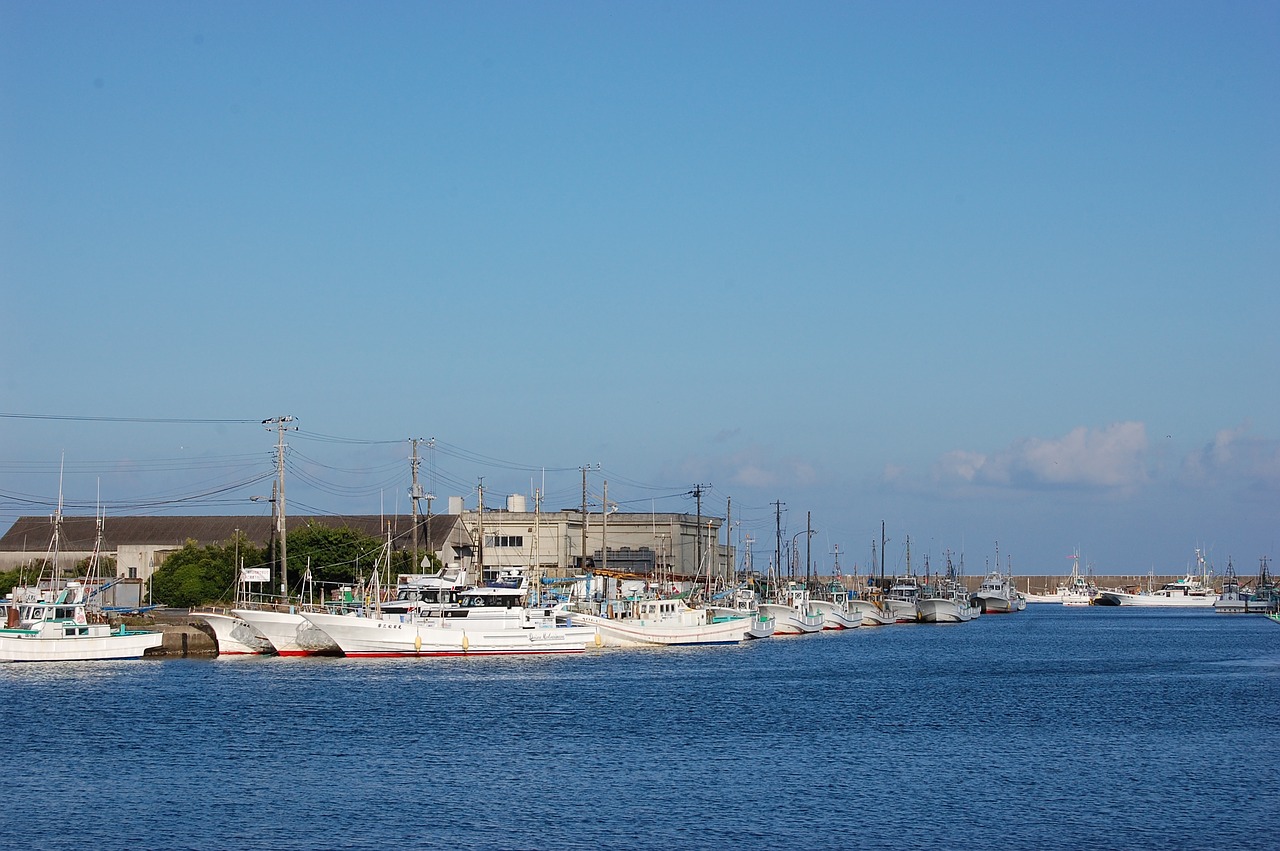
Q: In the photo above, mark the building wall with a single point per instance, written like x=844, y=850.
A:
x=553, y=540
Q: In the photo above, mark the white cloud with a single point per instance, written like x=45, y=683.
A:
x=1236, y=454
x=1112, y=457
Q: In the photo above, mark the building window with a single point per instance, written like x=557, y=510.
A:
x=504, y=541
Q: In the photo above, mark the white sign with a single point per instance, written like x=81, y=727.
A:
x=255, y=574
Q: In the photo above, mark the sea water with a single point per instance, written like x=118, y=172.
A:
x=1049, y=728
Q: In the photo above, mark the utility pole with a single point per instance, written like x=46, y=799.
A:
x=281, y=425
x=415, y=494
x=730, y=567
x=582, y=556
x=808, y=548
x=697, y=493
x=480, y=535
x=777, y=522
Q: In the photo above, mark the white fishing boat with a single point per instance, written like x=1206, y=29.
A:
x=234, y=635
x=1190, y=592
x=945, y=600
x=65, y=629
x=643, y=621
x=483, y=621
x=60, y=623
x=791, y=613
x=289, y=632
x=871, y=612
x=1078, y=590
x=996, y=594
x=742, y=603
x=833, y=605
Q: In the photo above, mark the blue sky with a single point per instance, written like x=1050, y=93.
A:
x=983, y=271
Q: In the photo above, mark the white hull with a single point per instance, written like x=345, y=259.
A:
x=834, y=616
x=289, y=632
x=903, y=611
x=994, y=604
x=1121, y=598
x=406, y=635
x=235, y=635
x=762, y=626
x=871, y=614
x=640, y=632
x=943, y=610
x=790, y=621
x=42, y=645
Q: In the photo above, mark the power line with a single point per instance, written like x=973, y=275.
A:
x=83, y=419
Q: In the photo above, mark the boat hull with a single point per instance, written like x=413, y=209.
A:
x=40, y=645
x=289, y=632
x=835, y=616
x=943, y=610
x=235, y=635
x=790, y=621
x=640, y=632
x=1121, y=598
x=406, y=636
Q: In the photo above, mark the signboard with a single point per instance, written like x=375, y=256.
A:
x=255, y=574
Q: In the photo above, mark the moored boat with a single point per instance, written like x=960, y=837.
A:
x=643, y=621
x=1191, y=591
x=234, y=635
x=791, y=613
x=60, y=622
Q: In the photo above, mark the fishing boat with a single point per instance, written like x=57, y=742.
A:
x=834, y=608
x=60, y=621
x=789, y=607
x=485, y=620
x=639, y=621
x=1079, y=590
x=234, y=635
x=741, y=602
x=996, y=594
x=1236, y=599
x=1191, y=591
x=945, y=600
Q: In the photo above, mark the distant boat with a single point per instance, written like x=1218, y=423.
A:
x=1234, y=599
x=1191, y=591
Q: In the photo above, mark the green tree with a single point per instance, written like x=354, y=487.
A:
x=196, y=576
x=338, y=555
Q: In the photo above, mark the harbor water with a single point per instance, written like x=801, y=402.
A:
x=1050, y=728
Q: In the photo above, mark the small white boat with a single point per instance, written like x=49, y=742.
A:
x=61, y=624
x=64, y=629
x=638, y=622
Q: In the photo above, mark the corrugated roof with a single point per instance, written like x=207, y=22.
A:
x=32, y=534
